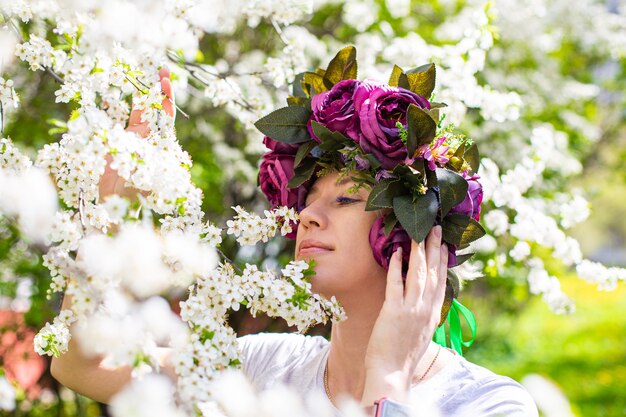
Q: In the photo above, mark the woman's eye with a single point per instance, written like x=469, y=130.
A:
x=345, y=200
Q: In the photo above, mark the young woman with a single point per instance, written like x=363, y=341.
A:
x=384, y=348
x=382, y=353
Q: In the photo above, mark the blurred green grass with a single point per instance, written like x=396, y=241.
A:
x=584, y=353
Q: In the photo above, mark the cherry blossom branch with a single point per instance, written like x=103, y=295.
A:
x=192, y=67
x=49, y=70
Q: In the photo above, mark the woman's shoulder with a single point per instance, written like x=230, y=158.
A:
x=464, y=388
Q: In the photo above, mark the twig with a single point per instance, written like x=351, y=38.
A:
x=81, y=208
x=192, y=67
x=279, y=31
x=228, y=259
x=1, y=119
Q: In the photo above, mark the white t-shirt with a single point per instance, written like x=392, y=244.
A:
x=460, y=389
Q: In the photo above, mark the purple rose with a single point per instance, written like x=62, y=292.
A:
x=380, y=107
x=280, y=147
x=334, y=109
x=451, y=255
x=470, y=206
x=275, y=172
x=383, y=247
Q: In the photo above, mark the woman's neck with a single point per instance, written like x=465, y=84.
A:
x=349, y=341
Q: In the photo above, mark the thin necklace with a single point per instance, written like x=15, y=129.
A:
x=420, y=379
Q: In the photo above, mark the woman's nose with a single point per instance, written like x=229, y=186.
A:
x=313, y=215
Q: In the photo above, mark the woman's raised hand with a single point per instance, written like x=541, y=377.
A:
x=407, y=320
x=110, y=182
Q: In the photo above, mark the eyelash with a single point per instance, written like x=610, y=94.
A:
x=345, y=200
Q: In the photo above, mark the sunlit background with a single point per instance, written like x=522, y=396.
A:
x=539, y=86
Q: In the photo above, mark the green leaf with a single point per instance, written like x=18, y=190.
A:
x=303, y=151
x=403, y=81
x=299, y=101
x=421, y=128
x=452, y=291
x=459, y=229
x=342, y=67
x=287, y=124
x=434, y=114
x=452, y=189
x=394, y=79
x=390, y=221
x=296, y=86
x=383, y=193
x=462, y=258
x=331, y=141
x=313, y=83
x=302, y=173
x=416, y=214
x=422, y=80
x=472, y=157
x=453, y=281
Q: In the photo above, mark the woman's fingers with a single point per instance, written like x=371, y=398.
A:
x=433, y=262
x=134, y=121
x=424, y=265
x=416, y=273
x=440, y=289
x=395, y=288
x=166, y=87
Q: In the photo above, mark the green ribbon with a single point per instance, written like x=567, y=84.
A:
x=455, y=338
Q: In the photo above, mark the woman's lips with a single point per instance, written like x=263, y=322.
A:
x=310, y=246
x=313, y=249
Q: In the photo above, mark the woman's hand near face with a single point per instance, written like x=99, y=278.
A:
x=110, y=182
x=407, y=320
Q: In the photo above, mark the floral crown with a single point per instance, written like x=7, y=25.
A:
x=387, y=137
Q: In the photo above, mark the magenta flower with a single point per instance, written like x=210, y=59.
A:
x=470, y=206
x=334, y=109
x=383, y=247
x=280, y=147
x=380, y=107
x=275, y=172
x=434, y=153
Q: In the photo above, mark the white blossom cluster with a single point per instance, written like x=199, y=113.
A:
x=8, y=96
x=233, y=396
x=152, y=395
x=250, y=228
x=11, y=158
x=548, y=286
x=213, y=345
x=284, y=13
x=528, y=219
x=7, y=395
x=54, y=338
x=25, y=193
x=606, y=278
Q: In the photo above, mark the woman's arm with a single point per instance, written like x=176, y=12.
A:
x=88, y=377
x=83, y=374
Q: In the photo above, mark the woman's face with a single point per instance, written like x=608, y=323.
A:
x=334, y=232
